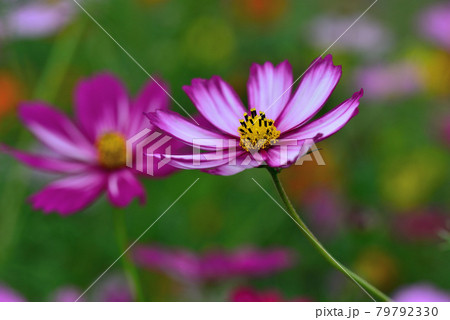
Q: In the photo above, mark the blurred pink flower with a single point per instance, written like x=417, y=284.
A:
x=420, y=225
x=249, y=136
x=9, y=295
x=246, y=294
x=435, y=24
x=213, y=265
x=91, y=151
x=444, y=129
x=67, y=294
x=369, y=37
x=389, y=81
x=111, y=289
x=421, y=292
x=37, y=19
x=324, y=208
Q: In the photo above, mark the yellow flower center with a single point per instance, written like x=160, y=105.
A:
x=112, y=150
x=257, y=132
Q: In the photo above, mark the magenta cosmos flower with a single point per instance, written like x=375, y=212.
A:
x=248, y=294
x=275, y=130
x=214, y=265
x=91, y=150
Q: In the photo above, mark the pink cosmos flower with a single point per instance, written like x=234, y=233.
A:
x=444, y=128
x=90, y=152
x=421, y=292
x=9, y=295
x=38, y=19
x=421, y=225
x=325, y=209
x=390, y=81
x=435, y=24
x=247, y=294
x=276, y=129
x=371, y=38
x=213, y=265
x=66, y=294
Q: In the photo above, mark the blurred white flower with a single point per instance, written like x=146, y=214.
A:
x=35, y=19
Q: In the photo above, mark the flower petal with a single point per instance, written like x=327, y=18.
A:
x=151, y=98
x=102, y=105
x=269, y=88
x=188, y=132
x=202, y=160
x=123, y=187
x=46, y=163
x=71, y=194
x=316, y=86
x=243, y=162
x=56, y=131
x=331, y=122
x=217, y=102
x=285, y=155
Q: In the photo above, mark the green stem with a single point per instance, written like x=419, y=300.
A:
x=59, y=61
x=129, y=268
x=370, y=290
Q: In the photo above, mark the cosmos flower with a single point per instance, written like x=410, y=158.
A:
x=435, y=24
x=276, y=129
x=390, y=81
x=421, y=292
x=213, y=265
x=66, y=294
x=420, y=225
x=91, y=150
x=444, y=129
x=325, y=209
x=37, y=19
x=247, y=294
x=369, y=38
x=115, y=288
x=9, y=295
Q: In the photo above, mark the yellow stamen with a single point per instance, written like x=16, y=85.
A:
x=111, y=148
x=257, y=132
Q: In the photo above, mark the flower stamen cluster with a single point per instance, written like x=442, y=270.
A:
x=257, y=132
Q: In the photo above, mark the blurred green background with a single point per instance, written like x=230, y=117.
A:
x=380, y=204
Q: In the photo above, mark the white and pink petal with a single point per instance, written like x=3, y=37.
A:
x=279, y=156
x=71, y=194
x=46, y=163
x=329, y=123
x=192, y=134
x=56, y=131
x=269, y=88
x=102, y=106
x=217, y=102
x=153, y=96
x=124, y=187
x=317, y=84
